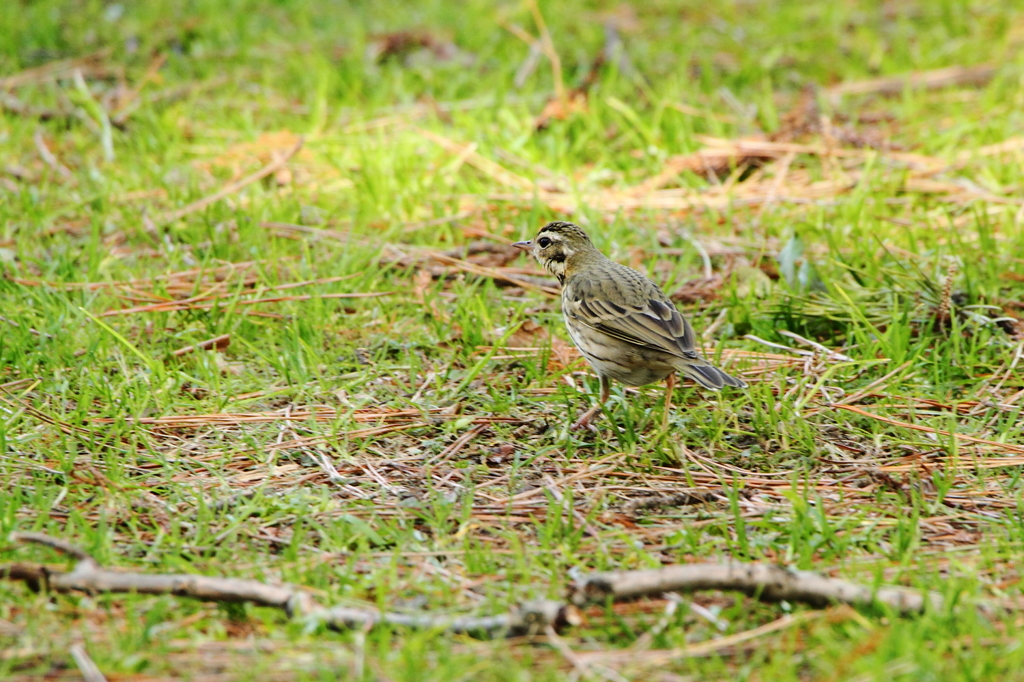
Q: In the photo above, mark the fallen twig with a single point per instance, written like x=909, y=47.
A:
x=62, y=546
x=217, y=343
x=766, y=582
x=771, y=344
x=89, y=577
x=529, y=617
x=828, y=352
x=85, y=664
x=928, y=80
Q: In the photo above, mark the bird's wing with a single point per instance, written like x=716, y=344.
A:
x=645, y=318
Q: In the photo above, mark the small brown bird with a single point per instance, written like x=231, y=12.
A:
x=622, y=322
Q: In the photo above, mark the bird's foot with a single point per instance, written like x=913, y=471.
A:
x=584, y=421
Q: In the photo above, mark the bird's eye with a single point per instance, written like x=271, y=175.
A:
x=543, y=242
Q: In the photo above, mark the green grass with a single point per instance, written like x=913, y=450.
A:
x=866, y=269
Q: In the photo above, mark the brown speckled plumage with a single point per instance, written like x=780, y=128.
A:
x=622, y=322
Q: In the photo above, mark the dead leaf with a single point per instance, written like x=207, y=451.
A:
x=529, y=335
x=698, y=290
x=556, y=109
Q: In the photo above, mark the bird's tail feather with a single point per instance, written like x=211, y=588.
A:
x=710, y=376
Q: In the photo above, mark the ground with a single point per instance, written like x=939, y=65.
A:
x=261, y=319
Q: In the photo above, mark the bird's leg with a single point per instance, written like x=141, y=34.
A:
x=606, y=391
x=670, y=385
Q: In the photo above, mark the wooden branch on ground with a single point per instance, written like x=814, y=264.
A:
x=62, y=546
x=91, y=578
x=85, y=664
x=928, y=80
x=529, y=617
x=766, y=582
x=217, y=343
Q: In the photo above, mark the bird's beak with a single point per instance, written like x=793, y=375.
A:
x=525, y=246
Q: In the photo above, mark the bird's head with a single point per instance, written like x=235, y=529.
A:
x=557, y=245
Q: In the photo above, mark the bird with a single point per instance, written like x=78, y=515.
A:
x=622, y=322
